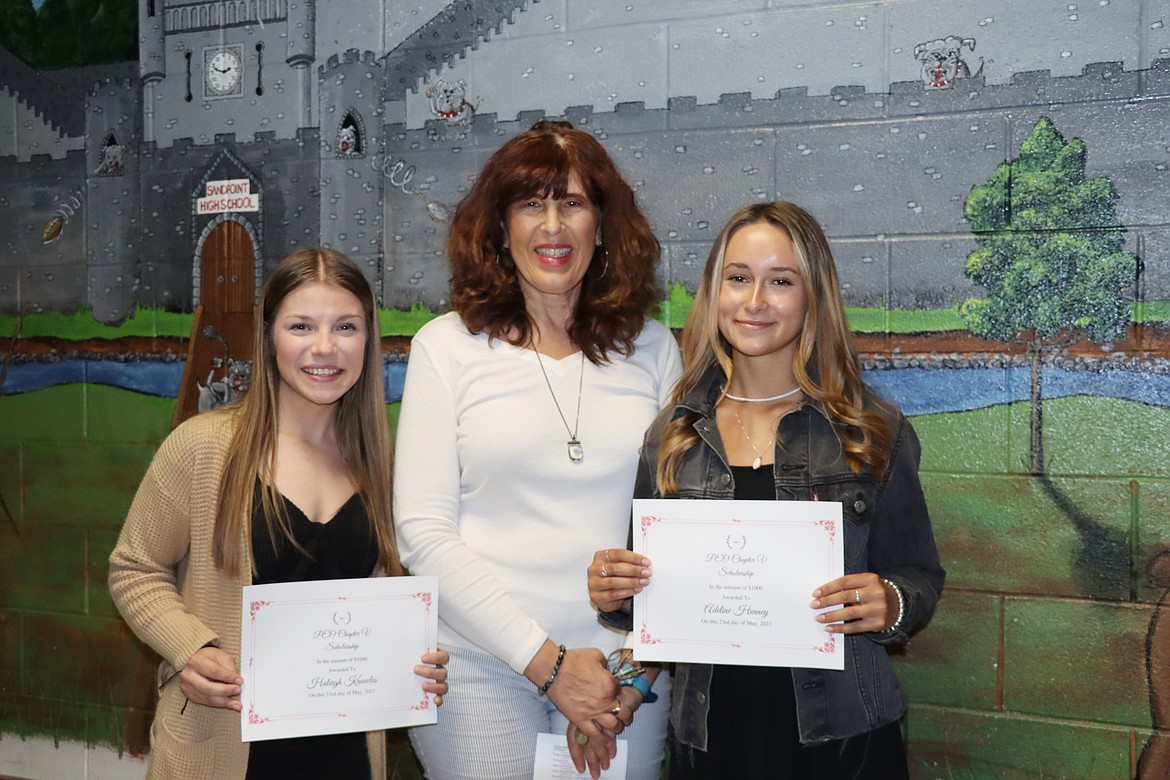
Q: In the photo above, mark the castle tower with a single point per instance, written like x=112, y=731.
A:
x=225, y=66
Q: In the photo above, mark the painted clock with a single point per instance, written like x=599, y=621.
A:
x=223, y=71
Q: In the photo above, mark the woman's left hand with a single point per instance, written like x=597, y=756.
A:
x=867, y=604
x=614, y=576
x=593, y=755
x=433, y=668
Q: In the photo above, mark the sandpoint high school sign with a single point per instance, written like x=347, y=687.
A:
x=228, y=195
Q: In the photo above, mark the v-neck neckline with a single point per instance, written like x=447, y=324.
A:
x=308, y=519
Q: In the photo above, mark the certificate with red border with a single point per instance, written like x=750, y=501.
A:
x=335, y=656
x=732, y=581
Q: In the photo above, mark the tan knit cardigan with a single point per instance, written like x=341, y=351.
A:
x=165, y=584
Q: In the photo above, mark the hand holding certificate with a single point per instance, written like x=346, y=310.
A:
x=733, y=581
x=553, y=761
x=335, y=656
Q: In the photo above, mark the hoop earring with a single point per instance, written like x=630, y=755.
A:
x=604, y=268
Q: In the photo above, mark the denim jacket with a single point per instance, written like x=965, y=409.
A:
x=886, y=531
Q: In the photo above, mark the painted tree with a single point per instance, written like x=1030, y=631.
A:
x=18, y=21
x=67, y=33
x=87, y=32
x=1050, y=255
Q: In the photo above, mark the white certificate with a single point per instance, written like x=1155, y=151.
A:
x=553, y=761
x=335, y=656
x=733, y=581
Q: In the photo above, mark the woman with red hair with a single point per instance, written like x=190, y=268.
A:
x=521, y=418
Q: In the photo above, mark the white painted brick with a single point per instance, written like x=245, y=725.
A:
x=1013, y=37
x=588, y=13
x=761, y=53
x=557, y=71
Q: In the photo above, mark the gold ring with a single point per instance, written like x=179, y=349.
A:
x=581, y=738
x=616, y=711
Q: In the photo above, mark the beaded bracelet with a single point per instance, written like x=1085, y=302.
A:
x=556, y=668
x=901, y=606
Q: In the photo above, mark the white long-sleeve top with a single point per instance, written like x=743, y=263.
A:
x=486, y=497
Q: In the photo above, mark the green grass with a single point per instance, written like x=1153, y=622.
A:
x=1083, y=436
x=1151, y=311
x=673, y=312
x=79, y=325
x=150, y=322
x=396, y=322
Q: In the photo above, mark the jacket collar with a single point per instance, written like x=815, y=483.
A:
x=702, y=397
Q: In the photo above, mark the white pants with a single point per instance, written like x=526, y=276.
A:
x=490, y=718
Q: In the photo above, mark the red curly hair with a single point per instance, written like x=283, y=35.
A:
x=619, y=288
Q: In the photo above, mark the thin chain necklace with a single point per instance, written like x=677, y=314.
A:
x=746, y=400
x=576, y=451
x=759, y=457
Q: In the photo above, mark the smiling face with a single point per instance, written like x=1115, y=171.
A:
x=319, y=335
x=551, y=241
x=762, y=299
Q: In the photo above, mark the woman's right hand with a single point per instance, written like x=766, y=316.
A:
x=210, y=678
x=614, y=576
x=584, y=689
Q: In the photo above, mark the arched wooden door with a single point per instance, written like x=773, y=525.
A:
x=221, y=337
x=226, y=279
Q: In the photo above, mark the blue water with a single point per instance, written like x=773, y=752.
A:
x=152, y=378
x=929, y=391
x=914, y=390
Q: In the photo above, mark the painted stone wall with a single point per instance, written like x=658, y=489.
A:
x=887, y=173
x=1046, y=657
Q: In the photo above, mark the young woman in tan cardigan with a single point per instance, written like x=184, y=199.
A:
x=290, y=483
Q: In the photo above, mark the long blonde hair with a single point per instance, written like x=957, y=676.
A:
x=825, y=364
x=362, y=428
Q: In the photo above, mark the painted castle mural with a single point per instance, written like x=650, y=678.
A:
x=993, y=179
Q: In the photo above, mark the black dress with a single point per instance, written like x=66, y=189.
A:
x=751, y=724
x=342, y=548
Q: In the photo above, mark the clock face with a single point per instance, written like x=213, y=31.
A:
x=223, y=72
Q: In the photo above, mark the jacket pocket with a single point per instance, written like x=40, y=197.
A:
x=855, y=496
x=857, y=503
x=182, y=721
x=180, y=746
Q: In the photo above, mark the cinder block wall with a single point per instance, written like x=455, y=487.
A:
x=1036, y=663
x=70, y=460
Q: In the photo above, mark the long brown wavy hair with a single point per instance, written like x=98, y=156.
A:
x=363, y=431
x=619, y=287
x=825, y=364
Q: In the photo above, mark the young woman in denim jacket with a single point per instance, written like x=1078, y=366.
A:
x=771, y=405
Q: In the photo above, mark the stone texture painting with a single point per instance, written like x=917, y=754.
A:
x=992, y=176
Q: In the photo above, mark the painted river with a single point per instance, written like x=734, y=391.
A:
x=915, y=390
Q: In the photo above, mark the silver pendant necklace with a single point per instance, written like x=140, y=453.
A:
x=759, y=457
x=576, y=451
